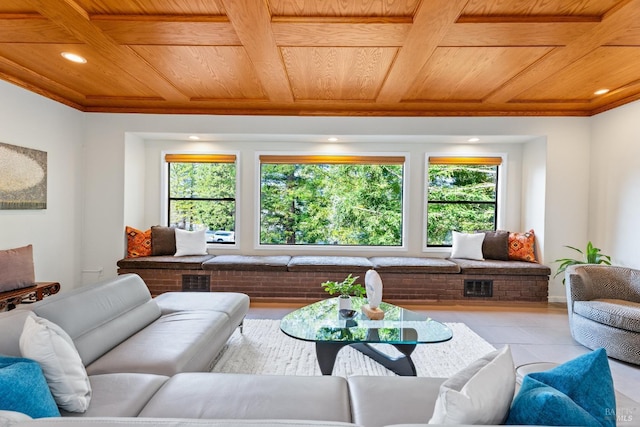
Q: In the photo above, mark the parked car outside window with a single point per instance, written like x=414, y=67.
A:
x=221, y=236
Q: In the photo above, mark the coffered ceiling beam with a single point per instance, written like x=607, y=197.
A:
x=70, y=16
x=252, y=21
x=432, y=21
x=613, y=25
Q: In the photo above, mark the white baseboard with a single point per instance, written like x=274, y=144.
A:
x=558, y=299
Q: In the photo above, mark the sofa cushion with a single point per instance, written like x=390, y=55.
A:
x=120, y=395
x=347, y=264
x=163, y=240
x=481, y=393
x=613, y=312
x=165, y=262
x=217, y=395
x=578, y=392
x=491, y=267
x=49, y=345
x=110, y=312
x=185, y=341
x=9, y=418
x=24, y=388
x=412, y=399
x=467, y=245
x=17, y=268
x=234, y=305
x=389, y=264
x=11, y=325
x=185, y=422
x=248, y=262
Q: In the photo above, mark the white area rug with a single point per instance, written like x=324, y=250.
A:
x=264, y=349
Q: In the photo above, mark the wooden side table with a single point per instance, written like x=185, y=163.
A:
x=34, y=293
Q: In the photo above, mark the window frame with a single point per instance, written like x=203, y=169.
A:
x=501, y=191
x=330, y=248
x=164, y=193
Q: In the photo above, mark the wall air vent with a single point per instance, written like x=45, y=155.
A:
x=478, y=288
x=195, y=283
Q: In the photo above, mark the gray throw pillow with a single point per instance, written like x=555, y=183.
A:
x=495, y=245
x=17, y=268
x=163, y=240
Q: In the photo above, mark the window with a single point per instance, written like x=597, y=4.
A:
x=462, y=196
x=331, y=200
x=202, y=194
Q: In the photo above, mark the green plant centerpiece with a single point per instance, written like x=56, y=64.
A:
x=591, y=255
x=347, y=288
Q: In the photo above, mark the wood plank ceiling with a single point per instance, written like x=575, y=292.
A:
x=326, y=57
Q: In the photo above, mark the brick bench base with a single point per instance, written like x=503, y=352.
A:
x=274, y=285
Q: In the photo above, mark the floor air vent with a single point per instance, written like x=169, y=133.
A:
x=195, y=283
x=478, y=288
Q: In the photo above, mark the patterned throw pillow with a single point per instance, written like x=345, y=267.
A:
x=522, y=246
x=138, y=242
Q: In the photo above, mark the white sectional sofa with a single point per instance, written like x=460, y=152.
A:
x=148, y=362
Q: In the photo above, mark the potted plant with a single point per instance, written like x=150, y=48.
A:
x=592, y=255
x=346, y=289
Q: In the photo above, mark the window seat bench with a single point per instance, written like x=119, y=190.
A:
x=272, y=278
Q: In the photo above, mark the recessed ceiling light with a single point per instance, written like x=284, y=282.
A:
x=474, y=139
x=194, y=137
x=332, y=139
x=601, y=92
x=74, y=57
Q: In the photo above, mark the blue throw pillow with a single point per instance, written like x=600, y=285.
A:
x=24, y=388
x=577, y=393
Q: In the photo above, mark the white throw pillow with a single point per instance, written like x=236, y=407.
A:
x=480, y=393
x=467, y=246
x=50, y=346
x=190, y=242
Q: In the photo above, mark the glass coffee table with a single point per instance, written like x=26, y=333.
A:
x=403, y=329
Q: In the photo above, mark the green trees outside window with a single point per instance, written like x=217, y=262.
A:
x=462, y=196
x=340, y=202
x=202, y=195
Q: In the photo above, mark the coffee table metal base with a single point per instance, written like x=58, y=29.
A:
x=326, y=352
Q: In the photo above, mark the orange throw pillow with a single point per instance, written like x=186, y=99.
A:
x=138, y=242
x=522, y=246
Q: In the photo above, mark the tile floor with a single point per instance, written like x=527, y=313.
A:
x=535, y=332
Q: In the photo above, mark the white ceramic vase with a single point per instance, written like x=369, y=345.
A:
x=344, y=303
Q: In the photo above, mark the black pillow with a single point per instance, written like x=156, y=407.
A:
x=495, y=245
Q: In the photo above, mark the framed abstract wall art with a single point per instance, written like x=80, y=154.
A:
x=23, y=178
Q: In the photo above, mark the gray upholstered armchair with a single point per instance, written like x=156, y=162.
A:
x=604, y=309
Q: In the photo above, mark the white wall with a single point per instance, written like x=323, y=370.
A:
x=567, y=146
x=90, y=158
x=29, y=120
x=614, y=208
x=247, y=232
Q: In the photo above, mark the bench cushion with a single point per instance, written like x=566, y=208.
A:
x=389, y=264
x=613, y=312
x=348, y=264
x=247, y=262
x=244, y=396
x=165, y=262
x=497, y=268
